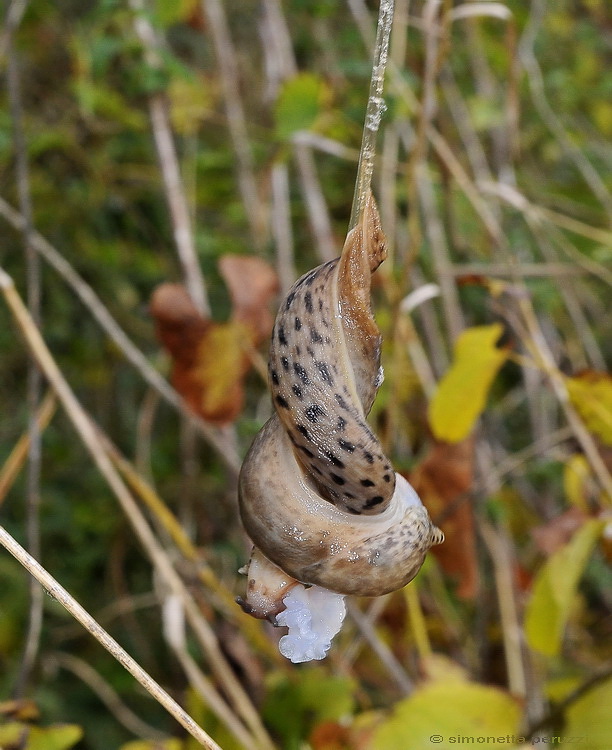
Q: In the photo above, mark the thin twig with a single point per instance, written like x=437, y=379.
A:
x=170, y=169
x=58, y=592
x=94, y=680
x=380, y=648
x=499, y=552
x=17, y=457
x=214, y=12
x=33, y=386
x=280, y=58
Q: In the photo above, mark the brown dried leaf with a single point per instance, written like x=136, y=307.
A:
x=441, y=480
x=210, y=359
x=252, y=284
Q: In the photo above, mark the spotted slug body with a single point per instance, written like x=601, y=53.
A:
x=318, y=497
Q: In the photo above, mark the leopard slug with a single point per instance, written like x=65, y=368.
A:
x=318, y=497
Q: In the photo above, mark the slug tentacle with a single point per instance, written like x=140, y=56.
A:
x=318, y=497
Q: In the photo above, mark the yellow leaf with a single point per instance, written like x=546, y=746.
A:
x=220, y=367
x=590, y=719
x=591, y=394
x=576, y=472
x=463, y=391
x=169, y=744
x=57, y=737
x=554, y=589
x=437, y=714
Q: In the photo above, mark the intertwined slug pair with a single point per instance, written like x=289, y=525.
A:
x=318, y=497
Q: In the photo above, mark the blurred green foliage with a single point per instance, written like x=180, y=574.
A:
x=98, y=197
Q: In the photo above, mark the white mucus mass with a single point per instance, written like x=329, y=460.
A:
x=314, y=615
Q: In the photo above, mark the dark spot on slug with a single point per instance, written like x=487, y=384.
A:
x=301, y=373
x=320, y=305
x=314, y=411
x=341, y=402
x=374, y=501
x=334, y=459
x=346, y=445
x=387, y=478
x=282, y=338
x=282, y=402
x=285, y=363
x=338, y=480
x=297, y=390
x=303, y=431
x=274, y=376
x=310, y=277
x=368, y=457
x=308, y=302
x=290, y=298
x=367, y=483
x=349, y=495
x=298, y=323
x=341, y=426
x=305, y=451
x=315, y=336
x=310, y=351
x=325, y=373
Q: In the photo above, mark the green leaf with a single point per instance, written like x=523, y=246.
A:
x=57, y=737
x=299, y=104
x=293, y=707
x=590, y=719
x=434, y=715
x=462, y=393
x=554, y=589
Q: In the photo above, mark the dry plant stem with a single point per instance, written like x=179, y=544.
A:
x=170, y=169
x=33, y=386
x=12, y=20
x=17, y=457
x=384, y=653
x=207, y=692
x=543, y=215
x=417, y=622
x=108, y=324
x=226, y=56
x=54, y=589
x=87, y=674
x=281, y=227
x=91, y=438
x=440, y=253
x=281, y=60
x=499, y=552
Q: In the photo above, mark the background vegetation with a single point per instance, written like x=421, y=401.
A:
x=143, y=141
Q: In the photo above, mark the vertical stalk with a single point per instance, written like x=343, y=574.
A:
x=374, y=110
x=33, y=385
